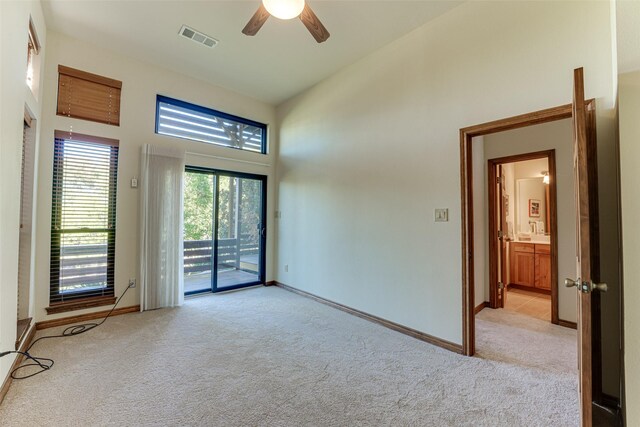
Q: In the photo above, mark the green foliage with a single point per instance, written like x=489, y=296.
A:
x=198, y=206
x=225, y=209
x=251, y=210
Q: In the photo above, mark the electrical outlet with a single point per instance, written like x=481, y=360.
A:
x=442, y=215
x=286, y=268
x=132, y=283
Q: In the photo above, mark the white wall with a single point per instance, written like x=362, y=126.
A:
x=628, y=32
x=368, y=154
x=14, y=27
x=556, y=136
x=480, y=232
x=629, y=114
x=141, y=83
x=532, y=168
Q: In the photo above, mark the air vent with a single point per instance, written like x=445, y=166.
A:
x=197, y=36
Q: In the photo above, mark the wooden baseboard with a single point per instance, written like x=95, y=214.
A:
x=567, y=324
x=81, y=304
x=456, y=348
x=481, y=306
x=529, y=288
x=21, y=330
x=26, y=342
x=271, y=283
x=84, y=317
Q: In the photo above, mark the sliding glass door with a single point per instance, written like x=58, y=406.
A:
x=224, y=231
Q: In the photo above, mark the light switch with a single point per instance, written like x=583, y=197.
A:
x=134, y=182
x=442, y=215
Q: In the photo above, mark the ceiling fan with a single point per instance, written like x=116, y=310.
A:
x=287, y=9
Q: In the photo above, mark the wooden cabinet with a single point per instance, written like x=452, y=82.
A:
x=542, y=267
x=523, y=268
x=530, y=265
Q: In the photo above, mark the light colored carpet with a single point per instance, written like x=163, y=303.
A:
x=267, y=357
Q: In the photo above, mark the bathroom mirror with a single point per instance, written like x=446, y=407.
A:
x=531, y=206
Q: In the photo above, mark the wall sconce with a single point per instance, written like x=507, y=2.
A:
x=545, y=177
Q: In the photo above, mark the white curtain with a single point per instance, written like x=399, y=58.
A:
x=161, y=223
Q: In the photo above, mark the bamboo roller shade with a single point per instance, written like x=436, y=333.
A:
x=88, y=96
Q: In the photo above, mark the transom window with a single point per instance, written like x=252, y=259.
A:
x=183, y=120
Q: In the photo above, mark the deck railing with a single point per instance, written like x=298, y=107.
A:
x=83, y=266
x=198, y=254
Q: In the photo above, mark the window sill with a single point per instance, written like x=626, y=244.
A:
x=80, y=304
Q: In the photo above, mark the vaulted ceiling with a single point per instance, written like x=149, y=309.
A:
x=279, y=62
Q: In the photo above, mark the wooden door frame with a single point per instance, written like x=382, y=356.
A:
x=492, y=164
x=466, y=182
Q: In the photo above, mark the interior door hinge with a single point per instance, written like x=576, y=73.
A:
x=499, y=180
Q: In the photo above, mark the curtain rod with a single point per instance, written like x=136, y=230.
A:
x=228, y=159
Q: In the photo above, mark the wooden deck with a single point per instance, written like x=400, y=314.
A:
x=200, y=281
x=236, y=258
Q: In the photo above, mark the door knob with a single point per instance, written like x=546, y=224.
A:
x=585, y=287
x=602, y=287
x=570, y=283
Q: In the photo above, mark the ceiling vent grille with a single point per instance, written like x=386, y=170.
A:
x=198, y=37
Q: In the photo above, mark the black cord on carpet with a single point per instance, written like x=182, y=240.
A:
x=44, y=363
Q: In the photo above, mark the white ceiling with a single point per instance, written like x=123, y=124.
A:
x=281, y=61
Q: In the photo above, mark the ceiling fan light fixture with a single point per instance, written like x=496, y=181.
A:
x=284, y=9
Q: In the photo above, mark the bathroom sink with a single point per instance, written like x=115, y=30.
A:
x=533, y=238
x=540, y=238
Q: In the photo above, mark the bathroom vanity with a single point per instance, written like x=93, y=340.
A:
x=530, y=265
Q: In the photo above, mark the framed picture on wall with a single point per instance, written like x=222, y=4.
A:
x=534, y=208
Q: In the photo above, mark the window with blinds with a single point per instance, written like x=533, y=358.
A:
x=83, y=218
x=183, y=120
x=88, y=96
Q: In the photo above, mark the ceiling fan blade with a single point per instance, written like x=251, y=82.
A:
x=313, y=24
x=256, y=22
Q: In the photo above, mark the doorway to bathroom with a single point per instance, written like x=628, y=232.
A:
x=522, y=219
